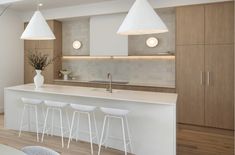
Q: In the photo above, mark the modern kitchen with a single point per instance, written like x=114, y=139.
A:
x=117, y=77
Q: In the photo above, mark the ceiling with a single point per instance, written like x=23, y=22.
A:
x=30, y=5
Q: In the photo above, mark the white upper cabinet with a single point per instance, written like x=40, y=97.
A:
x=104, y=40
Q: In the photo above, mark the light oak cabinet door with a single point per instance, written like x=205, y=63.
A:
x=29, y=71
x=190, y=84
x=190, y=25
x=219, y=90
x=219, y=23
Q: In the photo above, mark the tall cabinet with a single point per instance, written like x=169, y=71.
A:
x=51, y=47
x=205, y=65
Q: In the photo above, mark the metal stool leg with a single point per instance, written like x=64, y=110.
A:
x=129, y=135
x=71, y=128
x=52, y=122
x=96, y=130
x=45, y=122
x=61, y=128
x=107, y=133
x=77, y=132
x=124, y=136
x=102, y=134
x=36, y=117
x=89, y=123
x=67, y=117
x=22, y=121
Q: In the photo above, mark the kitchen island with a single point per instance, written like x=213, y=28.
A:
x=152, y=116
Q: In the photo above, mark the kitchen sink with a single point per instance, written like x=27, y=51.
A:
x=107, y=82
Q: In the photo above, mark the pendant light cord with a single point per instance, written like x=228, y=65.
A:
x=5, y=9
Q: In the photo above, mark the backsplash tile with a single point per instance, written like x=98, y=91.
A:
x=158, y=72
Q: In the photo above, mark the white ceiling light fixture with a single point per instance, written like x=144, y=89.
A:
x=38, y=29
x=142, y=19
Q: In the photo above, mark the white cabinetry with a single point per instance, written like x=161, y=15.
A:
x=104, y=40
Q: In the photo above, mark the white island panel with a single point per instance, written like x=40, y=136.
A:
x=152, y=115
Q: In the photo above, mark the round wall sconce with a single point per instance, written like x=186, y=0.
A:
x=152, y=42
x=77, y=44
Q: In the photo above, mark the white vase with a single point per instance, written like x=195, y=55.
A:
x=38, y=79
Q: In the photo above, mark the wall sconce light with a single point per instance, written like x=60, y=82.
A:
x=77, y=44
x=152, y=42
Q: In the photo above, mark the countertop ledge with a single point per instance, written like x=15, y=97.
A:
x=128, y=84
x=122, y=95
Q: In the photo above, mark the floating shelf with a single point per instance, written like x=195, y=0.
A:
x=160, y=56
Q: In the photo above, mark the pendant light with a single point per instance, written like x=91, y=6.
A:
x=38, y=29
x=142, y=19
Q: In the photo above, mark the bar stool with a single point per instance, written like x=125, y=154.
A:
x=55, y=106
x=116, y=114
x=87, y=110
x=30, y=103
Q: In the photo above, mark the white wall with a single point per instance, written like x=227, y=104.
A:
x=11, y=52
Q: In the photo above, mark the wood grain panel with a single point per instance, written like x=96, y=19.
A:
x=219, y=107
x=219, y=23
x=29, y=71
x=190, y=84
x=57, y=49
x=190, y=25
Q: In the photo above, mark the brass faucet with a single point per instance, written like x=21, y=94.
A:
x=109, y=87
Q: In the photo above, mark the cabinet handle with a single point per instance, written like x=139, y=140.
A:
x=208, y=78
x=201, y=77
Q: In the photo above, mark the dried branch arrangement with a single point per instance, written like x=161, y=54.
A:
x=39, y=61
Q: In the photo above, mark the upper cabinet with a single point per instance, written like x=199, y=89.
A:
x=219, y=23
x=190, y=25
x=104, y=40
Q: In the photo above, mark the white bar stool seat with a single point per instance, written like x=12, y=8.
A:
x=87, y=110
x=55, y=106
x=84, y=108
x=30, y=103
x=116, y=114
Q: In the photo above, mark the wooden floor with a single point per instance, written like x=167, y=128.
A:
x=209, y=142
x=189, y=142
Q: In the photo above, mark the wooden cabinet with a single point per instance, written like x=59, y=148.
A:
x=190, y=25
x=190, y=84
x=219, y=107
x=219, y=23
x=205, y=72
x=205, y=84
x=51, y=47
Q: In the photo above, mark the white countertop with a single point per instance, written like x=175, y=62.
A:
x=122, y=95
x=128, y=83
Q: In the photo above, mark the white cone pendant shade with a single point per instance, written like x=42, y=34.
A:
x=38, y=29
x=142, y=19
